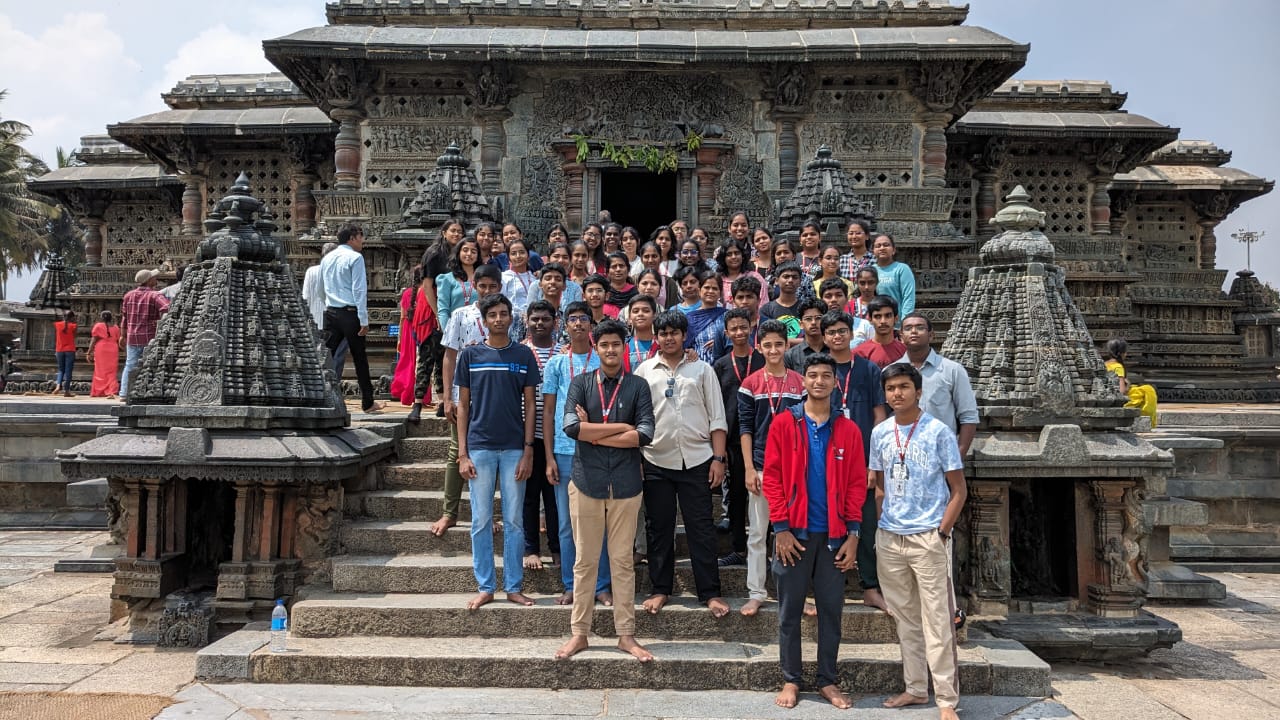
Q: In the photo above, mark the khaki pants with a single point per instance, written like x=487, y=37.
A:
x=915, y=577
x=591, y=518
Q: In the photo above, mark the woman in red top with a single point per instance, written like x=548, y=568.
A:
x=104, y=355
x=65, y=351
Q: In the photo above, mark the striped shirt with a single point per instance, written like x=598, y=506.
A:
x=760, y=398
x=541, y=355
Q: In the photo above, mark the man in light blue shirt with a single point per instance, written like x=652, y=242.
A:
x=948, y=394
x=346, y=314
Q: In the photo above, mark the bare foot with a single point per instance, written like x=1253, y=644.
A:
x=718, y=607
x=605, y=598
x=628, y=644
x=872, y=597
x=788, y=696
x=751, y=608
x=480, y=600
x=836, y=697
x=811, y=610
x=519, y=598
x=566, y=598
x=654, y=603
x=947, y=713
x=532, y=562
x=576, y=644
x=905, y=699
x=444, y=523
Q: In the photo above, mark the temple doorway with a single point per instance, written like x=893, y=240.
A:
x=639, y=198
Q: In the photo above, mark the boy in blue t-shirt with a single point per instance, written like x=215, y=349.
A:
x=918, y=473
x=496, y=381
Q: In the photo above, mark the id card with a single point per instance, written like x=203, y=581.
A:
x=898, y=473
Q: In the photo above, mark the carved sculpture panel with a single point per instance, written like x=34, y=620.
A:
x=269, y=175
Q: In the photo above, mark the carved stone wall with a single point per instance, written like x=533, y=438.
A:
x=412, y=125
x=136, y=233
x=269, y=175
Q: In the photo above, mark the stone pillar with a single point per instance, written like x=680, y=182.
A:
x=269, y=523
x=1100, y=206
x=989, y=581
x=1208, y=244
x=1118, y=552
x=93, y=240
x=304, y=201
x=347, y=149
x=493, y=147
x=1120, y=204
x=573, y=196
x=708, y=175
x=192, y=204
x=934, y=149
x=986, y=204
x=788, y=151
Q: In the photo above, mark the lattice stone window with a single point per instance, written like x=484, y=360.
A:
x=1257, y=341
x=1164, y=234
x=268, y=179
x=134, y=223
x=1061, y=191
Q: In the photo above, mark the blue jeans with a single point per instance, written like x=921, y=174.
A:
x=568, y=551
x=66, y=362
x=496, y=469
x=132, y=354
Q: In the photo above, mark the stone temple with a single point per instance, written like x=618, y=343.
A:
x=733, y=97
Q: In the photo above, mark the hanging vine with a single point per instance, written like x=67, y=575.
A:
x=657, y=158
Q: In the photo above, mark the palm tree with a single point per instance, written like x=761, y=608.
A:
x=24, y=216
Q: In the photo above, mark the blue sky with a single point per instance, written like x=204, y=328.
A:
x=1209, y=68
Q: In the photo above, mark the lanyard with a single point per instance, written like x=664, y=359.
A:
x=606, y=409
x=523, y=283
x=844, y=389
x=538, y=358
x=634, y=344
x=466, y=292
x=774, y=397
x=734, y=363
x=902, y=448
x=585, y=365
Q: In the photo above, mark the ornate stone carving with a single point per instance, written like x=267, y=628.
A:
x=860, y=140
x=185, y=623
x=319, y=514
x=939, y=84
x=823, y=193
x=492, y=86
x=418, y=140
x=791, y=90
x=419, y=107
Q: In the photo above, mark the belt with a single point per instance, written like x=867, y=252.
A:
x=348, y=308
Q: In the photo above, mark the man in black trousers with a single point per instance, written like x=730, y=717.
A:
x=346, y=315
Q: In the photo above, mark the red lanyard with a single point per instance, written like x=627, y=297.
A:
x=523, y=283
x=844, y=389
x=635, y=347
x=774, y=397
x=606, y=409
x=902, y=449
x=538, y=358
x=466, y=292
x=585, y=365
x=733, y=360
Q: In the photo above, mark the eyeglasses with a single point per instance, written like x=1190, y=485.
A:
x=837, y=332
x=671, y=387
x=688, y=252
x=578, y=318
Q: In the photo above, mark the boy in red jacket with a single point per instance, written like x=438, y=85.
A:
x=815, y=479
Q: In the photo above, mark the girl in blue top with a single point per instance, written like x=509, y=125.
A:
x=896, y=279
x=455, y=289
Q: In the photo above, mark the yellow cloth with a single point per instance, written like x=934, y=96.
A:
x=1142, y=397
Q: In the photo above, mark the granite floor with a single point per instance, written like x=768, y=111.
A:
x=55, y=636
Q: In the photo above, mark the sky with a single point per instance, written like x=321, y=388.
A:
x=1210, y=68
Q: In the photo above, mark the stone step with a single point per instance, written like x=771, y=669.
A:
x=446, y=615
x=429, y=426
x=414, y=476
x=408, y=504
x=988, y=667
x=452, y=573
x=414, y=537
x=423, y=449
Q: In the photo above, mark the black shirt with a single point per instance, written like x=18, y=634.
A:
x=731, y=370
x=796, y=354
x=604, y=472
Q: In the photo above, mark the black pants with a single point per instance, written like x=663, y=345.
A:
x=663, y=487
x=867, y=544
x=816, y=565
x=537, y=488
x=428, y=365
x=736, y=479
x=344, y=324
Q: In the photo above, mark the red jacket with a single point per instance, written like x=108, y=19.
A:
x=784, y=482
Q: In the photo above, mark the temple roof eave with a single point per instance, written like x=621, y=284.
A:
x=1060, y=124
x=239, y=122
x=571, y=44
x=1164, y=178
x=103, y=177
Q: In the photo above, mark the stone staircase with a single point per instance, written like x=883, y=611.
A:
x=394, y=614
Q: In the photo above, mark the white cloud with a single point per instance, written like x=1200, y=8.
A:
x=65, y=81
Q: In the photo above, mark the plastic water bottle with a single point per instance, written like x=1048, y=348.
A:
x=279, y=627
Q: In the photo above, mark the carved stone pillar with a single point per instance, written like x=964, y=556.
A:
x=493, y=147
x=788, y=152
x=269, y=523
x=1120, y=204
x=986, y=205
x=934, y=149
x=1212, y=208
x=192, y=204
x=346, y=149
x=304, y=202
x=708, y=176
x=1119, y=548
x=573, y=196
x=93, y=240
x=989, y=578
x=1100, y=206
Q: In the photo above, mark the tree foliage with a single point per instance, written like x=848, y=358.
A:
x=656, y=158
x=24, y=215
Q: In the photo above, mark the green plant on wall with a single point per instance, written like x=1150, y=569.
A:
x=657, y=158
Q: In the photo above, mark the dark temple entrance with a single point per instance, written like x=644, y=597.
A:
x=639, y=198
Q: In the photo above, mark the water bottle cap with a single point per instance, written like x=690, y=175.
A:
x=280, y=601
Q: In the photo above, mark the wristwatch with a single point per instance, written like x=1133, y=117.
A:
x=945, y=536
x=531, y=443
x=722, y=459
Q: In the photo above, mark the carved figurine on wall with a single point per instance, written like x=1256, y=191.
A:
x=792, y=86
x=491, y=87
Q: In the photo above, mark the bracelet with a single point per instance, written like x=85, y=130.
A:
x=722, y=459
